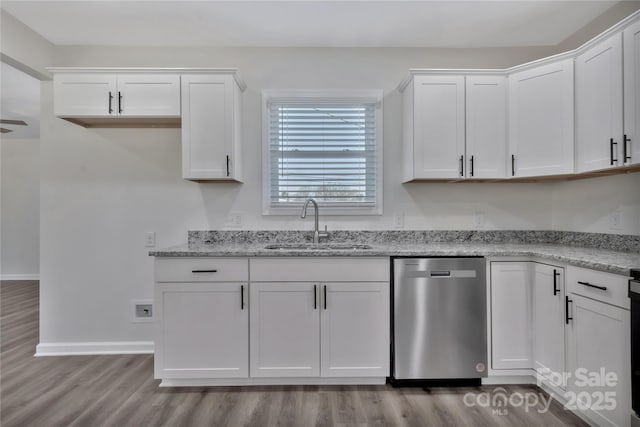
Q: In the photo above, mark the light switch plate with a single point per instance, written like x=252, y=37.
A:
x=615, y=220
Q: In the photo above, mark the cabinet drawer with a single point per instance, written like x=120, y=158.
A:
x=598, y=285
x=309, y=269
x=202, y=269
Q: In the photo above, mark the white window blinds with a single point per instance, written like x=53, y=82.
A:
x=324, y=150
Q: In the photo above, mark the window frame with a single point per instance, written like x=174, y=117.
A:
x=368, y=96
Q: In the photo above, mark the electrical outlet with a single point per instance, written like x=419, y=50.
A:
x=142, y=311
x=615, y=220
x=479, y=220
x=234, y=220
x=398, y=220
x=150, y=239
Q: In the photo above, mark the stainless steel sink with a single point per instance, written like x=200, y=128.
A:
x=317, y=246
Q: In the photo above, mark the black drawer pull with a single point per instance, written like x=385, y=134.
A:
x=555, y=282
x=119, y=102
x=566, y=310
x=315, y=297
x=602, y=288
x=110, y=100
x=325, y=297
x=513, y=165
x=626, y=149
x=204, y=271
x=241, y=297
x=611, y=144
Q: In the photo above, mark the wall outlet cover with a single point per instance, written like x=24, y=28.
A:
x=142, y=311
x=398, y=220
x=150, y=239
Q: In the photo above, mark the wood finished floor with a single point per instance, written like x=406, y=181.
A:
x=121, y=391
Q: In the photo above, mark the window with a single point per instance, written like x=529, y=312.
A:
x=325, y=145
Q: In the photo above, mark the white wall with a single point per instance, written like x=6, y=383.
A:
x=20, y=190
x=102, y=189
x=23, y=48
x=589, y=205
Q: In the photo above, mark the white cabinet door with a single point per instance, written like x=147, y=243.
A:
x=511, y=315
x=599, y=106
x=486, y=121
x=355, y=330
x=438, y=150
x=598, y=338
x=548, y=322
x=148, y=95
x=541, y=120
x=203, y=330
x=209, y=115
x=632, y=94
x=285, y=330
x=85, y=95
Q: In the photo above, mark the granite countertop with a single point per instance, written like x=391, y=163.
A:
x=597, y=259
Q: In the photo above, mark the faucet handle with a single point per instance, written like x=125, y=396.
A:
x=324, y=233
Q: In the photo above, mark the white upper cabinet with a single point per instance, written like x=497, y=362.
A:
x=90, y=95
x=454, y=127
x=631, y=142
x=599, y=106
x=435, y=142
x=84, y=95
x=211, y=127
x=486, y=120
x=541, y=120
x=156, y=95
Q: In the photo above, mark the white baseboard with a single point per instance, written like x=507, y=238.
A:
x=93, y=348
x=19, y=277
x=210, y=382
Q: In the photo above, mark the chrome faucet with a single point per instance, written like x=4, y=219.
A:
x=316, y=234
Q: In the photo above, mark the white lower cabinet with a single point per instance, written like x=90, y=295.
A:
x=295, y=321
x=598, y=345
x=511, y=315
x=204, y=330
x=319, y=329
x=285, y=330
x=599, y=360
x=548, y=323
x=325, y=328
x=354, y=325
x=202, y=318
x=570, y=324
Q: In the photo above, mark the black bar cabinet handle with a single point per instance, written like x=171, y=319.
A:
x=555, y=282
x=513, y=165
x=602, y=288
x=566, y=310
x=471, y=171
x=204, y=271
x=611, y=144
x=241, y=297
x=315, y=297
x=325, y=297
x=626, y=150
x=110, y=102
x=119, y=102
x=462, y=165
x=227, y=165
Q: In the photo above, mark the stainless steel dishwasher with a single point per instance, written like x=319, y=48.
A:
x=439, y=319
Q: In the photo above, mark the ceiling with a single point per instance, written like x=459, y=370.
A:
x=19, y=100
x=307, y=23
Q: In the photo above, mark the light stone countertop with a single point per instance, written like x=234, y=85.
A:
x=597, y=259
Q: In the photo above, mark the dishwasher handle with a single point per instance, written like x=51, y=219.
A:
x=441, y=273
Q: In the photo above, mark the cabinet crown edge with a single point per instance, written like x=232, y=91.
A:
x=150, y=70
